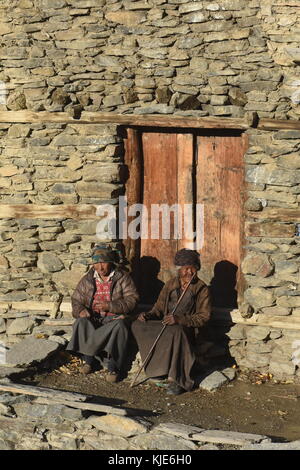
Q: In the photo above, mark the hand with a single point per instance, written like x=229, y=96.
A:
x=84, y=314
x=119, y=317
x=142, y=317
x=101, y=307
x=169, y=320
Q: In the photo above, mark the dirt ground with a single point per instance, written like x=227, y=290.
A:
x=251, y=403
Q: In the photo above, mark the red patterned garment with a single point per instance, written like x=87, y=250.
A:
x=102, y=294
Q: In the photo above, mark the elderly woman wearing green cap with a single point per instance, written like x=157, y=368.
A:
x=173, y=355
x=102, y=303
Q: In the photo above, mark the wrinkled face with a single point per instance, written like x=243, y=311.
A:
x=186, y=272
x=103, y=269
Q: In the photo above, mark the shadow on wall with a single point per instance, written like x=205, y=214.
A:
x=223, y=291
x=146, y=279
x=212, y=342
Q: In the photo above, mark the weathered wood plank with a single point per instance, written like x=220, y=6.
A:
x=273, y=321
x=221, y=315
x=35, y=211
x=280, y=214
x=153, y=120
x=84, y=406
x=72, y=399
x=133, y=190
x=160, y=187
x=277, y=124
x=43, y=392
x=29, y=305
x=270, y=229
x=59, y=322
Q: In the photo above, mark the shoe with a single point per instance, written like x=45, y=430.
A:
x=86, y=369
x=111, y=377
x=174, y=389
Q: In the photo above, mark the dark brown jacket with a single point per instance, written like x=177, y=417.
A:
x=123, y=294
x=193, y=311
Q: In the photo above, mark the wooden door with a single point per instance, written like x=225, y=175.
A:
x=168, y=161
x=220, y=188
x=161, y=165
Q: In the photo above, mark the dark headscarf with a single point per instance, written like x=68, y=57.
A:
x=186, y=257
x=104, y=254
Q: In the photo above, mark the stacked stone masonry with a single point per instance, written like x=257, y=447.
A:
x=175, y=57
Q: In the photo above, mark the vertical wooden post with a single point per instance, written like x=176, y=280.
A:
x=133, y=187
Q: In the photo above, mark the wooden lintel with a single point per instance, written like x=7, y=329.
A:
x=153, y=120
x=59, y=211
x=278, y=214
x=276, y=124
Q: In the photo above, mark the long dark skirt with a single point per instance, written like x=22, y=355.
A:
x=173, y=354
x=90, y=338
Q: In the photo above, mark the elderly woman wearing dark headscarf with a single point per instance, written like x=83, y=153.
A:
x=102, y=303
x=173, y=355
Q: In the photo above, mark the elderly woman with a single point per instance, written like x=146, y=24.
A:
x=173, y=355
x=102, y=303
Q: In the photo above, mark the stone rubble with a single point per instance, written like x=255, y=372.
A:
x=213, y=381
x=25, y=424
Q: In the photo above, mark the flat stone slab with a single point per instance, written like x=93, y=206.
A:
x=49, y=413
x=160, y=441
x=229, y=437
x=21, y=326
x=179, y=430
x=107, y=442
x=119, y=425
x=213, y=381
x=31, y=350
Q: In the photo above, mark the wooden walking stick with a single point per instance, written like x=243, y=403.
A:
x=161, y=332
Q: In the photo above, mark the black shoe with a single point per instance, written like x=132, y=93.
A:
x=174, y=389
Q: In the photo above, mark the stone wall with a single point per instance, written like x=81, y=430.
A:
x=222, y=58
x=175, y=57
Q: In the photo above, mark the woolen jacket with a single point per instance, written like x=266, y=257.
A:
x=194, y=309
